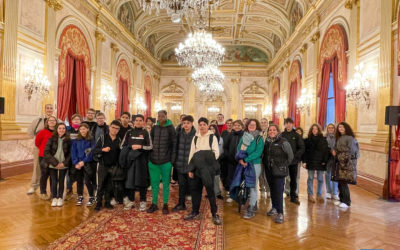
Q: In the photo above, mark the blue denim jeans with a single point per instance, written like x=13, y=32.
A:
x=254, y=191
x=310, y=181
x=331, y=186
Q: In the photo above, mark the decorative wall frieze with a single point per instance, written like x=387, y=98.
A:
x=55, y=4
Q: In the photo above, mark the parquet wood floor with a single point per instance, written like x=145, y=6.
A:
x=26, y=222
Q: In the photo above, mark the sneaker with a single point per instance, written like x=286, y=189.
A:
x=272, y=212
x=142, y=206
x=60, y=202
x=328, y=196
x=129, y=205
x=311, y=198
x=149, y=188
x=192, y=216
x=189, y=197
x=165, y=209
x=54, y=202
x=295, y=200
x=336, y=197
x=90, y=202
x=249, y=212
x=343, y=205
x=113, y=202
x=279, y=219
x=79, y=201
x=284, y=195
x=216, y=220
x=152, y=208
x=229, y=200
x=44, y=197
x=179, y=207
x=108, y=205
x=337, y=203
x=125, y=200
x=31, y=191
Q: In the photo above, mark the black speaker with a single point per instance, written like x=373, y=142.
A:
x=392, y=115
x=1, y=105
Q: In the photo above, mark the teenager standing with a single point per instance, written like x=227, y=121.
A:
x=331, y=186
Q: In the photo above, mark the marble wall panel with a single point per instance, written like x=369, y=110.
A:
x=373, y=163
x=32, y=16
x=370, y=17
x=16, y=150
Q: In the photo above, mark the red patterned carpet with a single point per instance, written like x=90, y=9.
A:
x=110, y=229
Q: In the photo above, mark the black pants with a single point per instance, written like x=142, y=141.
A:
x=44, y=176
x=105, y=184
x=142, y=192
x=230, y=172
x=175, y=174
x=196, y=190
x=224, y=172
x=276, y=186
x=57, y=177
x=119, y=190
x=293, y=169
x=344, y=193
x=183, y=180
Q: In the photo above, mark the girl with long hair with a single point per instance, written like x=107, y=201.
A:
x=214, y=129
x=331, y=186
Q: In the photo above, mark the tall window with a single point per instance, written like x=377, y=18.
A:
x=330, y=107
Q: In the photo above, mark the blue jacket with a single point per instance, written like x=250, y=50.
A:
x=248, y=172
x=82, y=150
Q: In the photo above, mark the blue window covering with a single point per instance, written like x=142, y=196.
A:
x=330, y=107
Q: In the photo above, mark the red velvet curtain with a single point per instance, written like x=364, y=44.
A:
x=148, y=103
x=323, y=94
x=123, y=97
x=275, y=117
x=73, y=91
x=293, y=96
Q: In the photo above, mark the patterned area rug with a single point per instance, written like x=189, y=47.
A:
x=110, y=229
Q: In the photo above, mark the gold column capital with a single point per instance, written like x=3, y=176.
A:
x=55, y=4
x=287, y=64
x=143, y=68
x=304, y=48
x=99, y=36
x=315, y=37
x=349, y=4
x=235, y=80
x=114, y=47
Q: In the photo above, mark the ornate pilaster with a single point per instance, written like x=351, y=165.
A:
x=55, y=4
x=385, y=62
x=315, y=40
x=304, y=66
x=235, y=99
x=9, y=64
x=96, y=92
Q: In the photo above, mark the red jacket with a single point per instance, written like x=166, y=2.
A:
x=221, y=128
x=41, y=140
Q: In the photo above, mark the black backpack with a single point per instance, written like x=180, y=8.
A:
x=211, y=139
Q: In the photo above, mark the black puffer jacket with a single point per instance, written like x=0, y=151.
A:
x=51, y=149
x=316, y=155
x=183, y=149
x=164, y=143
x=297, y=144
x=230, y=147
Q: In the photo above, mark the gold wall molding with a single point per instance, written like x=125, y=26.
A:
x=100, y=36
x=348, y=4
x=55, y=4
x=315, y=37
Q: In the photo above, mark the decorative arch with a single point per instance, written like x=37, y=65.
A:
x=276, y=89
x=74, y=61
x=333, y=60
x=147, y=95
x=294, y=90
x=398, y=41
x=123, y=84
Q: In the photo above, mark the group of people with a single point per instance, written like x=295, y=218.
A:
x=134, y=154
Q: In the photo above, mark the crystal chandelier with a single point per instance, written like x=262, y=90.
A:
x=140, y=104
x=268, y=111
x=176, y=107
x=281, y=107
x=250, y=108
x=199, y=50
x=109, y=99
x=209, y=80
x=358, y=90
x=213, y=109
x=35, y=81
x=304, y=102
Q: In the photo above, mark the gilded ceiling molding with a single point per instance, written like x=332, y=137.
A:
x=55, y=4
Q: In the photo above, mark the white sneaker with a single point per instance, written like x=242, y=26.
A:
x=336, y=197
x=343, y=205
x=54, y=202
x=229, y=200
x=125, y=200
x=129, y=205
x=60, y=202
x=149, y=188
x=31, y=191
x=113, y=202
x=337, y=203
x=189, y=197
x=142, y=206
x=284, y=195
x=328, y=196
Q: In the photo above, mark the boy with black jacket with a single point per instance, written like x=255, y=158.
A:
x=297, y=144
x=107, y=151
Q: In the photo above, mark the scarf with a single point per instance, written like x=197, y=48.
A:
x=274, y=139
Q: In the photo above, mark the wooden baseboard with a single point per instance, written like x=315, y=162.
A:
x=15, y=168
x=370, y=183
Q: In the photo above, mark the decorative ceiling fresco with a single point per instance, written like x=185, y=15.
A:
x=250, y=30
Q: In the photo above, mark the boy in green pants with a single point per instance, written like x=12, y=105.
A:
x=163, y=138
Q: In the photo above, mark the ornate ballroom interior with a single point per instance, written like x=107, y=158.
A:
x=281, y=59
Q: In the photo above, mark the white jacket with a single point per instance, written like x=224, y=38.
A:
x=203, y=143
